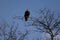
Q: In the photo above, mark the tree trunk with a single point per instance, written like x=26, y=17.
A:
x=52, y=37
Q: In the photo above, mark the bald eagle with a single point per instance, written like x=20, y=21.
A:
x=26, y=15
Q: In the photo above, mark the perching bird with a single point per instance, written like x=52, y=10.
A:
x=27, y=14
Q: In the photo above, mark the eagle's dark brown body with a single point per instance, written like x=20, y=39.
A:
x=26, y=15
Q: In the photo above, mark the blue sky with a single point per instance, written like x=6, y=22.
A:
x=10, y=8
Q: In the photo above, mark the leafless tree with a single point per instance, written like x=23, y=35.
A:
x=47, y=22
x=23, y=36
x=10, y=32
x=3, y=26
x=11, y=35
